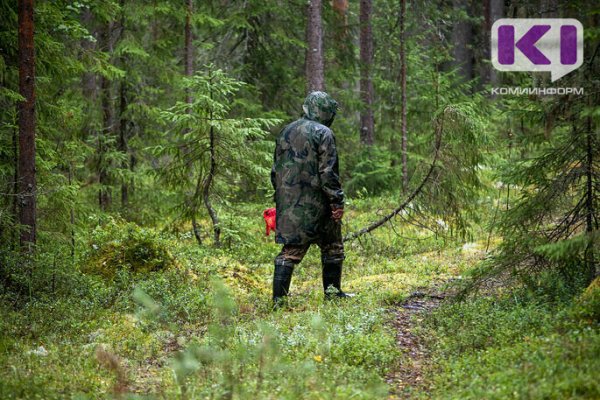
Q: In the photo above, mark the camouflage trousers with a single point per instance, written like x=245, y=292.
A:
x=332, y=249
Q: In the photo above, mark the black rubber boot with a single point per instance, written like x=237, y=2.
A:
x=332, y=277
x=281, y=282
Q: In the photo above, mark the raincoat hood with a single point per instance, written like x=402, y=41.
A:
x=320, y=107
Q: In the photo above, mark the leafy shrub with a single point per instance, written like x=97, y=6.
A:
x=119, y=245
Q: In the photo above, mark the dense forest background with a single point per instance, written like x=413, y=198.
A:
x=129, y=128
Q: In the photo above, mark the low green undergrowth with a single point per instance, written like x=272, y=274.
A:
x=125, y=246
x=330, y=351
x=513, y=345
x=203, y=326
x=148, y=312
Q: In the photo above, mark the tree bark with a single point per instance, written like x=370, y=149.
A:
x=123, y=138
x=206, y=189
x=26, y=116
x=188, y=71
x=314, y=62
x=493, y=10
x=194, y=203
x=123, y=121
x=462, y=41
x=104, y=138
x=341, y=15
x=367, y=135
x=403, y=105
x=15, y=186
x=196, y=229
x=88, y=80
x=207, y=184
x=590, y=212
x=188, y=49
x=72, y=214
x=341, y=9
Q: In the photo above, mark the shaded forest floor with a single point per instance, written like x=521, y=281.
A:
x=202, y=327
x=408, y=377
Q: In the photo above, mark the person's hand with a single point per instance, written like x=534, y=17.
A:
x=337, y=214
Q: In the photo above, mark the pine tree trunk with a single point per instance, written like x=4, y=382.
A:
x=88, y=80
x=188, y=71
x=207, y=184
x=196, y=229
x=15, y=186
x=367, y=129
x=493, y=11
x=314, y=68
x=123, y=122
x=589, y=203
x=341, y=15
x=462, y=41
x=251, y=39
x=188, y=49
x=104, y=194
x=194, y=202
x=341, y=9
x=123, y=145
x=26, y=116
x=403, y=105
x=72, y=214
x=206, y=189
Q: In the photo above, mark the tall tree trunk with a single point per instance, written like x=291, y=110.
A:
x=88, y=80
x=341, y=17
x=403, y=105
x=367, y=135
x=206, y=189
x=207, y=184
x=493, y=10
x=123, y=121
x=188, y=49
x=26, y=115
x=123, y=145
x=462, y=41
x=341, y=9
x=196, y=229
x=104, y=138
x=188, y=71
x=314, y=68
x=72, y=215
x=15, y=186
x=589, y=203
x=194, y=204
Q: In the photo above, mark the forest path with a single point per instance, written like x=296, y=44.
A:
x=408, y=378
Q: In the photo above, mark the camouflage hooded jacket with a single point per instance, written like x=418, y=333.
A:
x=305, y=174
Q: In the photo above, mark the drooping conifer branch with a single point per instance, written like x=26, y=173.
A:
x=438, y=143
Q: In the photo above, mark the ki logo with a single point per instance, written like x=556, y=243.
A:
x=542, y=44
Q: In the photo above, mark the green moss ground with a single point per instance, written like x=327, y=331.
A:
x=204, y=328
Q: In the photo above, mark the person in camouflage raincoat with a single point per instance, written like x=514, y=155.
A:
x=308, y=195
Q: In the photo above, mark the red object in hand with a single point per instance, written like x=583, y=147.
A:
x=269, y=215
x=337, y=214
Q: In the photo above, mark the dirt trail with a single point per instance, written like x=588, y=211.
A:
x=407, y=378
